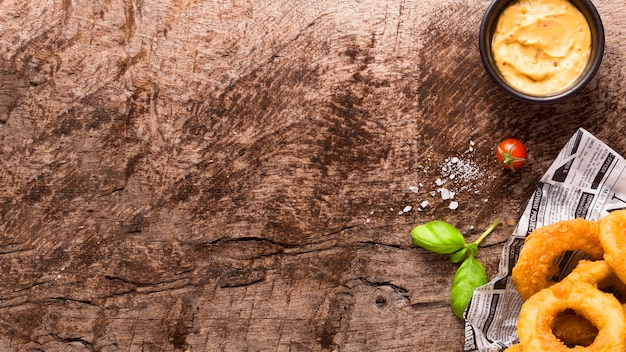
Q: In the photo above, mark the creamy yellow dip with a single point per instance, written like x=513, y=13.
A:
x=541, y=46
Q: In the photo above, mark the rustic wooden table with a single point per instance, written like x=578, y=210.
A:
x=234, y=175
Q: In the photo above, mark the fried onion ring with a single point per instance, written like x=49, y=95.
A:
x=514, y=348
x=536, y=260
x=600, y=274
x=613, y=239
x=602, y=309
x=573, y=329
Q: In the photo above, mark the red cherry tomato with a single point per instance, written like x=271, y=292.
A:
x=511, y=154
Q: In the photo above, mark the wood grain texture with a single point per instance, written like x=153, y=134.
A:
x=181, y=175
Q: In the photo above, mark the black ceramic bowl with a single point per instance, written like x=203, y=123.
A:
x=488, y=27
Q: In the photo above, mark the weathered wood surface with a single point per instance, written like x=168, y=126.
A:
x=229, y=175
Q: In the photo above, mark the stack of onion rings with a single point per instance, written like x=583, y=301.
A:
x=584, y=311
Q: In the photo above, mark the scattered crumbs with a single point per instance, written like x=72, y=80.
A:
x=453, y=205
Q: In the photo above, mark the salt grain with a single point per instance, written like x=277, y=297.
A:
x=424, y=204
x=445, y=194
x=407, y=209
x=458, y=175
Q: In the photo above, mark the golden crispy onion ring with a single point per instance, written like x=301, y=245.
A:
x=600, y=274
x=573, y=329
x=613, y=239
x=514, y=348
x=602, y=309
x=536, y=260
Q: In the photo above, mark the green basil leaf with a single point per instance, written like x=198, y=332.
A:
x=459, y=255
x=473, y=248
x=470, y=275
x=438, y=237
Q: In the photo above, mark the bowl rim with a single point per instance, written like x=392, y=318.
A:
x=594, y=20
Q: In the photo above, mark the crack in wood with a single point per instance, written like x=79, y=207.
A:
x=145, y=287
x=69, y=299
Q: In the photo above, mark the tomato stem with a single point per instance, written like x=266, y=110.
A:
x=508, y=159
x=487, y=232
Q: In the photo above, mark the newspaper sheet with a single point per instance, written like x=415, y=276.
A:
x=586, y=180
